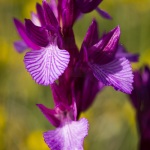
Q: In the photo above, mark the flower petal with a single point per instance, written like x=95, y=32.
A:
x=137, y=94
x=91, y=35
x=140, y=95
x=122, y=52
x=35, y=19
x=146, y=77
x=117, y=73
x=69, y=136
x=20, y=46
x=38, y=35
x=49, y=15
x=40, y=14
x=54, y=7
x=22, y=32
x=105, y=50
x=58, y=94
x=88, y=95
x=103, y=13
x=110, y=40
x=68, y=13
x=50, y=114
x=47, y=64
x=85, y=90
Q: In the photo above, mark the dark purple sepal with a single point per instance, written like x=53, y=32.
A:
x=38, y=35
x=49, y=15
x=103, y=13
x=81, y=68
x=146, y=87
x=40, y=13
x=58, y=94
x=104, y=50
x=50, y=114
x=22, y=32
x=140, y=96
x=143, y=118
x=136, y=94
x=54, y=7
x=146, y=77
x=20, y=46
x=68, y=13
x=92, y=36
x=69, y=43
x=83, y=57
x=85, y=90
x=86, y=6
x=122, y=52
x=62, y=102
x=91, y=88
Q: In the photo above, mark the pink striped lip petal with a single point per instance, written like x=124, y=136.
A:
x=117, y=73
x=69, y=136
x=47, y=64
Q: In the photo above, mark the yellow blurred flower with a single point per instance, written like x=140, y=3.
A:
x=2, y=121
x=35, y=141
x=2, y=118
x=2, y=126
x=4, y=51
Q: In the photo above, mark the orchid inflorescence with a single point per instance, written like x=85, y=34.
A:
x=80, y=73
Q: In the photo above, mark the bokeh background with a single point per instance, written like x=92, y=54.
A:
x=111, y=117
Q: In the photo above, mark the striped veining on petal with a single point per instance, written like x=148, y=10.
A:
x=117, y=73
x=47, y=64
x=69, y=136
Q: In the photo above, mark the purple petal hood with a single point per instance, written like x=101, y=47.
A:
x=23, y=33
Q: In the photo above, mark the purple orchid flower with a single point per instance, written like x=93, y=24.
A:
x=46, y=61
x=70, y=132
x=140, y=98
x=98, y=57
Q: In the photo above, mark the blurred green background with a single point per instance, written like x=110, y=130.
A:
x=111, y=117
